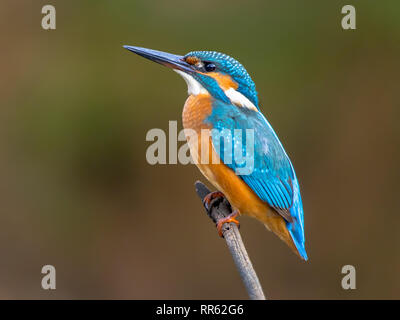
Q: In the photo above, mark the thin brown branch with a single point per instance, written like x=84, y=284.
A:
x=219, y=209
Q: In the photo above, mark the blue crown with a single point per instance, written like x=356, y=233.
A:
x=228, y=65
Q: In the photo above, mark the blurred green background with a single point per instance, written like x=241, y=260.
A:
x=76, y=191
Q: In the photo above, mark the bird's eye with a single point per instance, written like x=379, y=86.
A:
x=209, y=66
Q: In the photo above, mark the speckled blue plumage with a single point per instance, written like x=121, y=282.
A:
x=272, y=177
x=226, y=65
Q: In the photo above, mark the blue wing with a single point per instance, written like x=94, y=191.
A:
x=271, y=175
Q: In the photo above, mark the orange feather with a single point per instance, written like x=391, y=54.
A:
x=238, y=193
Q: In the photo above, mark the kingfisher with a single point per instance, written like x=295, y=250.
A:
x=222, y=98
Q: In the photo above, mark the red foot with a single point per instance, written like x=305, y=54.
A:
x=210, y=197
x=230, y=218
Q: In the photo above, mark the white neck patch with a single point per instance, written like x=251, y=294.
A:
x=239, y=99
x=194, y=87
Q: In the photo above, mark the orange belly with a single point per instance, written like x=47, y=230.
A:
x=238, y=193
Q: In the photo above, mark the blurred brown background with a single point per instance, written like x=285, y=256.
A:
x=76, y=190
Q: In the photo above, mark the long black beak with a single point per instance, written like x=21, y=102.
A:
x=167, y=59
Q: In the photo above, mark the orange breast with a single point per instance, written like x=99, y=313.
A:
x=196, y=109
x=239, y=194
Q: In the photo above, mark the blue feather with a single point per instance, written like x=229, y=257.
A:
x=272, y=176
x=230, y=66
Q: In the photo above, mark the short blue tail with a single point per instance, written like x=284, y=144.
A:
x=296, y=228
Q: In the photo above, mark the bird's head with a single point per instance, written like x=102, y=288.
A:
x=209, y=72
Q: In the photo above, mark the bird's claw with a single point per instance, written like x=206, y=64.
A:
x=210, y=197
x=228, y=219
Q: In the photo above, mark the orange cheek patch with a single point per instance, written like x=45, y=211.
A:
x=224, y=80
x=192, y=60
